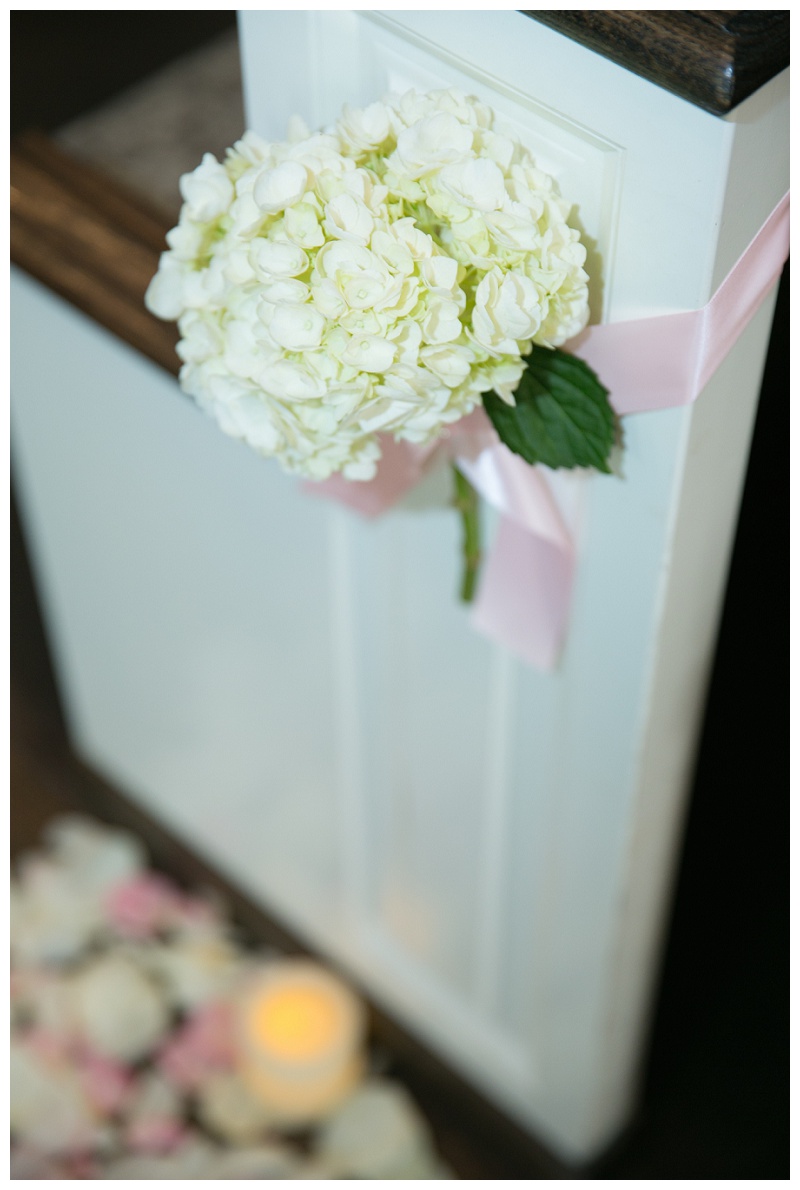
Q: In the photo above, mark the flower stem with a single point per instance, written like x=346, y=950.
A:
x=467, y=504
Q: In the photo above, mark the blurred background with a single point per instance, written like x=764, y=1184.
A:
x=715, y=1101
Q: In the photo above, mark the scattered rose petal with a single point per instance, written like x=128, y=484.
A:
x=139, y=907
x=203, y=1046
x=106, y=1083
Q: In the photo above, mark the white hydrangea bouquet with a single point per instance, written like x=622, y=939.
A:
x=385, y=276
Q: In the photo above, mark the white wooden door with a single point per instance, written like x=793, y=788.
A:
x=486, y=847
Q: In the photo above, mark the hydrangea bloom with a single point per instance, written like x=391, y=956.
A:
x=377, y=277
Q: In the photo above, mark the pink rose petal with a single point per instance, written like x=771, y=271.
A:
x=203, y=1046
x=50, y=1047
x=196, y=912
x=81, y=1167
x=155, y=1134
x=106, y=1083
x=140, y=906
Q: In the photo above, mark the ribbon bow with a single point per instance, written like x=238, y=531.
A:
x=647, y=364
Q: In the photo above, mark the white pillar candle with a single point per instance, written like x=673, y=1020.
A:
x=301, y=1033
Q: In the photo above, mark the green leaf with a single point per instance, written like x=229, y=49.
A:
x=562, y=417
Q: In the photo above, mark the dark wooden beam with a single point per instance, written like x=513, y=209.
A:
x=86, y=238
x=713, y=58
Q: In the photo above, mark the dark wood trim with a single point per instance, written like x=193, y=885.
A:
x=86, y=238
x=713, y=58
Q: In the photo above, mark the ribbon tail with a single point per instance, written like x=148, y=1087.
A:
x=524, y=597
x=525, y=593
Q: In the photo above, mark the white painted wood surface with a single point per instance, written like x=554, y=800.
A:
x=299, y=693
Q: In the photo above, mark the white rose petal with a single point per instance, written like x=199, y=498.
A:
x=119, y=1010
x=192, y=1161
x=154, y=1096
x=198, y=968
x=229, y=1109
x=377, y=1133
x=263, y=1162
x=48, y=1109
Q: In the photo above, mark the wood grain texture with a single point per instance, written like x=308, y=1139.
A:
x=86, y=238
x=713, y=58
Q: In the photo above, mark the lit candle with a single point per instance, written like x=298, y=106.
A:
x=301, y=1036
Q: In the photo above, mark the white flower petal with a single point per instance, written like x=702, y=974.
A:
x=272, y=259
x=277, y=188
x=290, y=382
x=207, y=191
x=297, y=328
x=120, y=1011
x=369, y=353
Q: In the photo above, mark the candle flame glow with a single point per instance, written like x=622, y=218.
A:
x=295, y=1022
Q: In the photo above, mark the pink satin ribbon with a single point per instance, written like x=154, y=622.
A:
x=665, y=362
x=646, y=364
